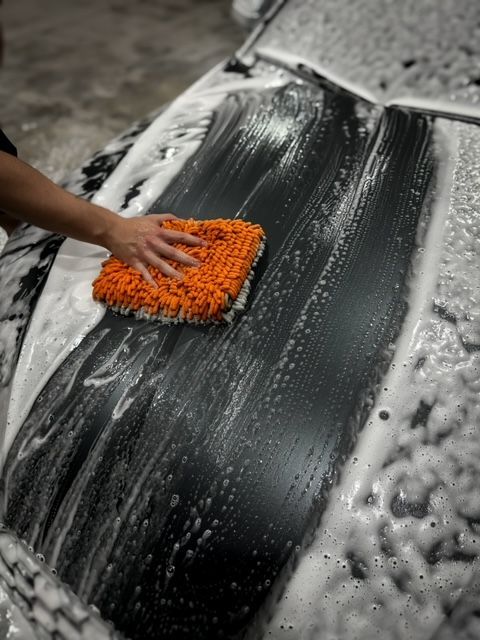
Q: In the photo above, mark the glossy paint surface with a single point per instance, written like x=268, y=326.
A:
x=25, y=264
x=200, y=453
x=311, y=471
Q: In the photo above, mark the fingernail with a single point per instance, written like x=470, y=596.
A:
x=204, y=243
x=196, y=263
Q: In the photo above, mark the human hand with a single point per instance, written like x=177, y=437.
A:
x=144, y=241
x=30, y=196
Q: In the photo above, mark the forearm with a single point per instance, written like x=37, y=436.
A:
x=29, y=196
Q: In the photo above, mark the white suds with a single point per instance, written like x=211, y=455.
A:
x=3, y=238
x=398, y=542
x=66, y=312
x=296, y=63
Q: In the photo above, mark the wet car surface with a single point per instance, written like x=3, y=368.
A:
x=322, y=450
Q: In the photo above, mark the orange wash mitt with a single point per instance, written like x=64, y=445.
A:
x=213, y=292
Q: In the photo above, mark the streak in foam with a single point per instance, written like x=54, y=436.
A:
x=398, y=543
x=66, y=312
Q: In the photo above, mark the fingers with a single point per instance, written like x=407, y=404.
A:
x=154, y=242
x=184, y=238
x=162, y=266
x=145, y=273
x=167, y=251
x=177, y=236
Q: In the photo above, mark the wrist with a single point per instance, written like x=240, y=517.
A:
x=106, y=226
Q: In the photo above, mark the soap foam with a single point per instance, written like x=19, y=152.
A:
x=399, y=541
x=66, y=312
x=426, y=49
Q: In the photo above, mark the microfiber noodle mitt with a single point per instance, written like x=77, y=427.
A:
x=213, y=292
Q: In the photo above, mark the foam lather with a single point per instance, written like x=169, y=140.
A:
x=213, y=292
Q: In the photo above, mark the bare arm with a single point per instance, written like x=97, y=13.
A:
x=29, y=196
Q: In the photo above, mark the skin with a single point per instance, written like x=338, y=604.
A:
x=29, y=196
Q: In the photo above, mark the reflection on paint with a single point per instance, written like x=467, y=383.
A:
x=177, y=511
x=397, y=548
x=28, y=257
x=198, y=499
x=142, y=175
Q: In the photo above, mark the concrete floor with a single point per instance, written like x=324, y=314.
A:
x=76, y=73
